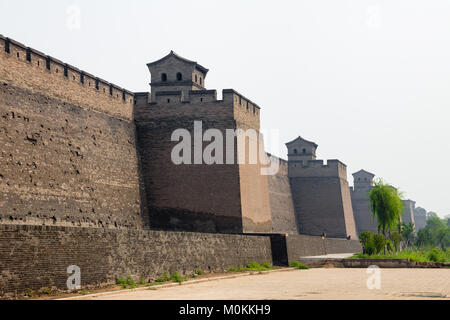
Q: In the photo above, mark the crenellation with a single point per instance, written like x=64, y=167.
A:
x=318, y=168
x=62, y=80
x=201, y=96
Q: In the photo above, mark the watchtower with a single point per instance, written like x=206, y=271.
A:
x=301, y=150
x=420, y=218
x=175, y=73
x=362, y=185
x=363, y=180
x=320, y=192
x=408, y=212
x=197, y=196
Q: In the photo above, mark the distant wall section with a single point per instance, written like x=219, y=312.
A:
x=281, y=203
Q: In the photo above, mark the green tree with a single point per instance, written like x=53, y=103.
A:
x=423, y=238
x=386, y=206
x=408, y=233
x=366, y=239
x=396, y=239
x=379, y=241
x=443, y=237
x=436, y=233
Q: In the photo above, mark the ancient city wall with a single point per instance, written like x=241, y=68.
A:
x=363, y=214
x=199, y=197
x=281, y=203
x=33, y=70
x=322, y=208
x=289, y=248
x=68, y=153
x=322, y=198
x=35, y=257
x=420, y=218
x=408, y=212
x=61, y=164
x=204, y=198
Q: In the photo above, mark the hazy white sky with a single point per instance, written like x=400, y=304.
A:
x=367, y=80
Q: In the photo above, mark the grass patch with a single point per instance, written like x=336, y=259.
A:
x=299, y=265
x=167, y=277
x=46, y=291
x=434, y=255
x=252, y=266
x=29, y=293
x=126, y=283
x=199, y=271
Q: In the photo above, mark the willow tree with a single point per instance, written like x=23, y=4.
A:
x=386, y=205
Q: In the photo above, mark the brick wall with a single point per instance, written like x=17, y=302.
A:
x=61, y=164
x=319, y=206
x=289, y=248
x=203, y=198
x=281, y=203
x=230, y=198
x=35, y=257
x=363, y=216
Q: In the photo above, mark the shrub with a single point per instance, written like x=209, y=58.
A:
x=126, y=283
x=436, y=255
x=266, y=265
x=198, y=271
x=366, y=239
x=176, y=277
x=254, y=266
x=165, y=277
x=142, y=281
x=379, y=242
x=29, y=293
x=299, y=265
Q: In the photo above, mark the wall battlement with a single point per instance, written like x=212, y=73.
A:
x=230, y=97
x=29, y=68
x=317, y=168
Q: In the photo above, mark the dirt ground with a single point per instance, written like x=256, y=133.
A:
x=313, y=284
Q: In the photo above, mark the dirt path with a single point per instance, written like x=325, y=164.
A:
x=316, y=284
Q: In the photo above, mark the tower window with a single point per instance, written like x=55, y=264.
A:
x=201, y=81
x=47, y=62
x=66, y=71
x=179, y=76
x=196, y=78
x=82, y=78
x=164, y=77
x=295, y=151
x=110, y=90
x=28, y=55
x=97, y=84
x=304, y=151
